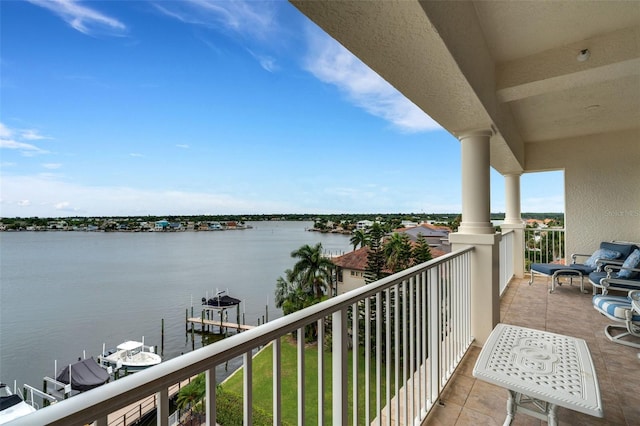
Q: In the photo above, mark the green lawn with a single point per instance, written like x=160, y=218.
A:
x=263, y=383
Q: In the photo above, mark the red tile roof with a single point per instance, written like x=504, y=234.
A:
x=427, y=226
x=357, y=260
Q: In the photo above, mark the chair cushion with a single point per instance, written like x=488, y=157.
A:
x=547, y=268
x=602, y=253
x=584, y=269
x=614, y=306
x=552, y=268
x=631, y=262
x=596, y=276
x=624, y=249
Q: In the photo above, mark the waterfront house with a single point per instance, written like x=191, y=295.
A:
x=351, y=266
x=437, y=236
x=524, y=87
x=364, y=224
x=350, y=269
x=161, y=225
x=176, y=226
x=214, y=226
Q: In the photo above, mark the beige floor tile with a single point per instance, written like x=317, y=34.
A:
x=566, y=311
x=469, y=417
x=444, y=415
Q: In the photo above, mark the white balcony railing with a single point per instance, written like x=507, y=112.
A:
x=544, y=246
x=414, y=326
x=506, y=259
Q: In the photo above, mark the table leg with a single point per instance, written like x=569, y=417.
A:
x=552, y=416
x=511, y=408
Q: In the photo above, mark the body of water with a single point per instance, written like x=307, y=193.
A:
x=62, y=293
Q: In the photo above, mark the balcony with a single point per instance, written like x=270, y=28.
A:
x=418, y=352
x=413, y=327
x=467, y=401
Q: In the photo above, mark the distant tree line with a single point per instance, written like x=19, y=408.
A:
x=390, y=221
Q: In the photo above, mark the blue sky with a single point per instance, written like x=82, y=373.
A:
x=211, y=107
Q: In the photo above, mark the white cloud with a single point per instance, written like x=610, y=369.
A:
x=136, y=155
x=267, y=62
x=8, y=141
x=333, y=64
x=246, y=18
x=182, y=145
x=39, y=196
x=65, y=206
x=5, y=132
x=52, y=166
x=26, y=148
x=251, y=22
x=84, y=19
x=32, y=135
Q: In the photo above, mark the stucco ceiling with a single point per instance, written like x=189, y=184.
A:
x=509, y=65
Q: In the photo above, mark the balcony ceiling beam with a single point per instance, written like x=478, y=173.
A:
x=612, y=56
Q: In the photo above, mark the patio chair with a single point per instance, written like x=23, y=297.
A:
x=625, y=310
x=622, y=278
x=608, y=253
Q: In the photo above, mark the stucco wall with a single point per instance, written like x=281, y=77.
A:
x=602, y=186
x=350, y=282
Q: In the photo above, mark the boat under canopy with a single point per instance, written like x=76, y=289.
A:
x=85, y=375
x=221, y=301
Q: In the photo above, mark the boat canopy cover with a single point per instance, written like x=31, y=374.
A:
x=221, y=301
x=85, y=375
x=129, y=345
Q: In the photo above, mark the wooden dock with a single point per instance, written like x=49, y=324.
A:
x=221, y=324
x=136, y=411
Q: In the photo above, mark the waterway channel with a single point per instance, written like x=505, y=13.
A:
x=65, y=294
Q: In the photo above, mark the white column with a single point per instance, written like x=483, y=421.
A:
x=476, y=188
x=513, y=221
x=512, y=199
x=476, y=230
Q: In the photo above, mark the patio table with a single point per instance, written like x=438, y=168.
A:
x=541, y=371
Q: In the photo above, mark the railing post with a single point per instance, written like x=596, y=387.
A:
x=102, y=421
x=321, y=389
x=248, y=390
x=339, y=362
x=163, y=408
x=210, y=396
x=434, y=335
x=277, y=383
x=301, y=386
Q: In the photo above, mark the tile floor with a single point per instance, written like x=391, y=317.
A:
x=467, y=401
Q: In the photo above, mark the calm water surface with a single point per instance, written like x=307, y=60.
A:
x=62, y=293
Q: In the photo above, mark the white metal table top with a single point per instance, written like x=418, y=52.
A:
x=546, y=366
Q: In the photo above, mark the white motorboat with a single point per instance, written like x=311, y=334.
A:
x=12, y=405
x=131, y=356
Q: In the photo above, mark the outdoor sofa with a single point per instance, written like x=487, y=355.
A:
x=623, y=277
x=608, y=253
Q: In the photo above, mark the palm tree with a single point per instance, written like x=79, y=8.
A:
x=397, y=250
x=192, y=394
x=290, y=294
x=359, y=238
x=313, y=271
